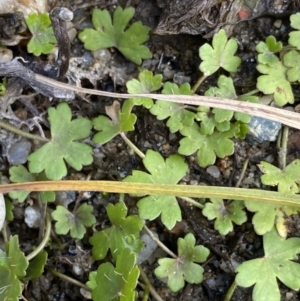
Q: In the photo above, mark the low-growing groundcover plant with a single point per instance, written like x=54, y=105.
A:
x=206, y=132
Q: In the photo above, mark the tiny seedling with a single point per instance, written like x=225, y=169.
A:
x=295, y=35
x=183, y=268
x=169, y=171
x=51, y=157
x=178, y=116
x=121, y=120
x=226, y=89
x=225, y=214
x=74, y=222
x=13, y=265
x=208, y=147
x=267, y=51
x=115, y=283
x=147, y=83
x=113, y=33
x=123, y=233
x=267, y=214
x=219, y=55
x=43, y=39
x=276, y=263
x=275, y=73
x=286, y=180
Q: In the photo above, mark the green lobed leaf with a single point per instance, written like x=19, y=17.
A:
x=208, y=147
x=51, y=156
x=179, y=116
x=73, y=222
x=43, y=39
x=113, y=33
x=107, y=129
x=123, y=233
x=274, y=81
x=245, y=118
x=36, y=266
x=276, y=263
x=116, y=283
x=120, y=121
x=127, y=120
x=225, y=89
x=295, y=35
x=10, y=286
x=267, y=49
x=9, y=216
x=161, y=171
x=220, y=54
x=19, y=174
x=287, y=179
x=13, y=265
x=16, y=260
x=91, y=284
x=291, y=60
x=183, y=268
x=266, y=215
x=147, y=83
x=225, y=215
x=208, y=122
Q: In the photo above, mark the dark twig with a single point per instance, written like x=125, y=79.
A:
x=59, y=17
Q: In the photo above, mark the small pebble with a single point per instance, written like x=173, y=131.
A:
x=289, y=296
x=168, y=73
x=261, y=129
x=179, y=78
x=32, y=217
x=149, y=247
x=6, y=55
x=213, y=171
x=18, y=152
x=103, y=55
x=277, y=23
x=77, y=269
x=64, y=198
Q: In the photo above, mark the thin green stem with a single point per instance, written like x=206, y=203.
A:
x=159, y=243
x=192, y=202
x=283, y=148
x=45, y=240
x=69, y=279
x=148, y=285
x=198, y=83
x=250, y=93
x=230, y=291
x=19, y=132
x=121, y=197
x=4, y=232
x=132, y=146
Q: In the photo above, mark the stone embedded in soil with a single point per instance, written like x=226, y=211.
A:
x=18, y=152
x=213, y=171
x=261, y=129
x=32, y=217
x=149, y=247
